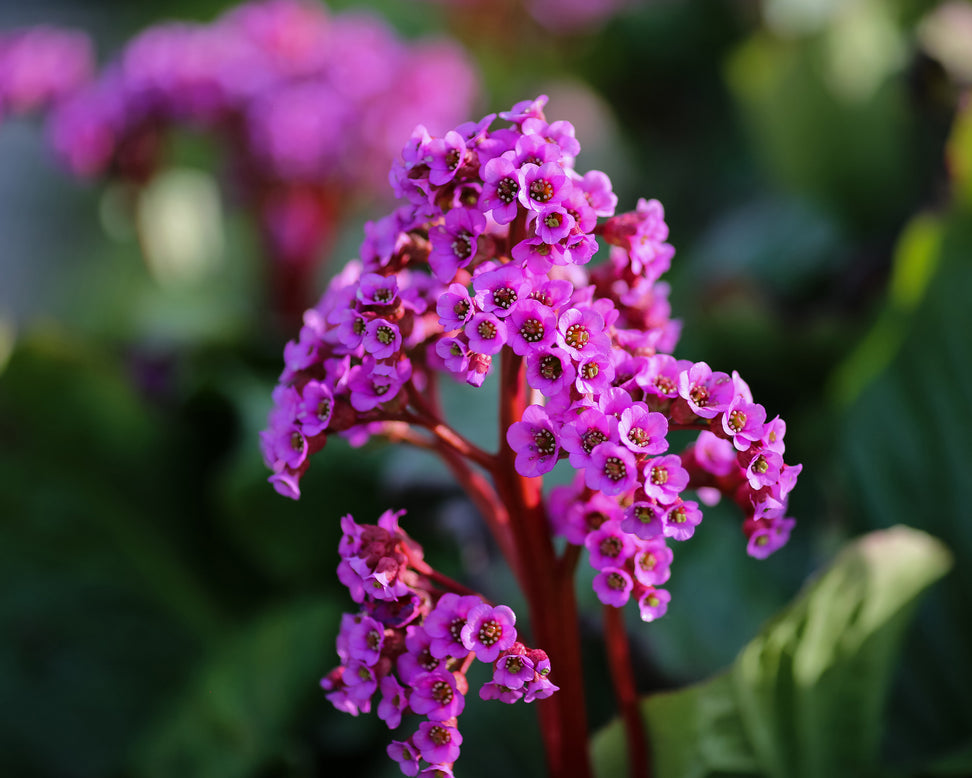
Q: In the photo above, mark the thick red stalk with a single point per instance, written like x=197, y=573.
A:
x=549, y=590
x=622, y=677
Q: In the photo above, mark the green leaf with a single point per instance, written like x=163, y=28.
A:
x=904, y=450
x=806, y=697
x=235, y=716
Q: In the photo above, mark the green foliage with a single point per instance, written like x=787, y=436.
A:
x=905, y=448
x=235, y=717
x=806, y=696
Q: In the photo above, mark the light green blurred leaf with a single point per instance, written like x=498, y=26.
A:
x=806, y=696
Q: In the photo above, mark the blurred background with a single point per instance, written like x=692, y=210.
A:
x=165, y=612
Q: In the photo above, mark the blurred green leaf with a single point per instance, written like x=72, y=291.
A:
x=904, y=454
x=847, y=147
x=236, y=715
x=959, y=155
x=806, y=696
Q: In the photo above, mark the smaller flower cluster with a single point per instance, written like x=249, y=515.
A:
x=41, y=66
x=412, y=643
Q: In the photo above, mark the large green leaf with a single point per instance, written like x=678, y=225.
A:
x=806, y=697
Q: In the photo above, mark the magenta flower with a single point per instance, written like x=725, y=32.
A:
x=580, y=332
x=435, y=695
x=613, y=586
x=652, y=564
x=445, y=624
x=665, y=478
x=609, y=546
x=534, y=441
x=743, y=422
x=584, y=432
x=381, y=338
x=501, y=187
x=714, y=454
x=365, y=640
x=769, y=535
x=406, y=755
x=612, y=469
x=393, y=703
x=707, y=393
x=643, y=519
x=437, y=742
x=595, y=372
x=643, y=431
x=444, y=156
x=542, y=185
x=454, y=354
x=538, y=256
x=377, y=290
x=653, y=603
x=454, y=242
x=486, y=333
x=496, y=691
x=533, y=326
x=373, y=383
x=513, y=670
x=660, y=376
x=417, y=658
x=454, y=307
x=489, y=631
x=497, y=291
x=764, y=469
x=550, y=371
x=553, y=223
x=316, y=408
x=682, y=519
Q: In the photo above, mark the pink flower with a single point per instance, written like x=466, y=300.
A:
x=534, y=441
x=612, y=469
x=435, y=695
x=489, y=631
x=665, y=478
x=613, y=586
x=653, y=603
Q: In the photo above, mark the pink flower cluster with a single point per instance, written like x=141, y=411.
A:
x=489, y=257
x=310, y=107
x=41, y=66
x=413, y=642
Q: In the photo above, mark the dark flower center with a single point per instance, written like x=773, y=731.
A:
x=442, y=692
x=385, y=335
x=610, y=547
x=550, y=367
x=507, y=190
x=577, y=336
x=544, y=442
x=591, y=438
x=490, y=632
x=504, y=297
x=462, y=245
x=614, y=468
x=532, y=330
x=541, y=190
x=486, y=330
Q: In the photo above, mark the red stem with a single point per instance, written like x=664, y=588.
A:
x=549, y=590
x=622, y=677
